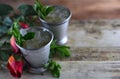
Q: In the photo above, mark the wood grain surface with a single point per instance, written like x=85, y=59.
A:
x=81, y=9
x=77, y=70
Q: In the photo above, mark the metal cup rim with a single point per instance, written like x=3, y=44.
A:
x=43, y=28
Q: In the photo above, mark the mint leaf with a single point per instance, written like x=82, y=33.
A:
x=54, y=68
x=62, y=51
x=29, y=36
x=41, y=14
x=42, y=10
x=49, y=9
x=16, y=33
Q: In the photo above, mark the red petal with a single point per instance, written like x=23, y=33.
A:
x=12, y=71
x=14, y=47
x=11, y=66
x=19, y=68
x=15, y=67
x=11, y=62
x=23, y=25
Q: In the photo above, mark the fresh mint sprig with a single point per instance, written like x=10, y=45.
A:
x=15, y=31
x=53, y=67
x=62, y=51
x=41, y=9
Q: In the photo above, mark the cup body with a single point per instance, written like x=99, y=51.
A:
x=39, y=56
x=60, y=27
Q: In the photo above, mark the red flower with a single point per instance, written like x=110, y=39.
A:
x=15, y=67
x=23, y=25
x=14, y=47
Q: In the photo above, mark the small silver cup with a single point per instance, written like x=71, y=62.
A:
x=57, y=26
x=40, y=56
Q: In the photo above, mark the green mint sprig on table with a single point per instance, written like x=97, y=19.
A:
x=42, y=10
x=53, y=67
x=62, y=51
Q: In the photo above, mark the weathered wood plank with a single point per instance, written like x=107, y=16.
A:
x=91, y=70
x=94, y=40
x=78, y=70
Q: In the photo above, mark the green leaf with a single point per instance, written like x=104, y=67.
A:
x=56, y=73
x=49, y=9
x=42, y=10
x=5, y=9
x=16, y=33
x=39, y=4
x=53, y=44
x=52, y=52
x=26, y=10
x=41, y=15
x=29, y=35
x=54, y=68
x=4, y=56
x=64, y=52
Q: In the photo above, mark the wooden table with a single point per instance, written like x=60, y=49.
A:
x=94, y=40
x=95, y=52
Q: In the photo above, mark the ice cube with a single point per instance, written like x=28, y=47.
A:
x=59, y=14
x=41, y=39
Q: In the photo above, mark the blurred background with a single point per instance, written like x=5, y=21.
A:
x=81, y=9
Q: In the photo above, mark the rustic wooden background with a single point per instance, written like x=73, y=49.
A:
x=81, y=9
